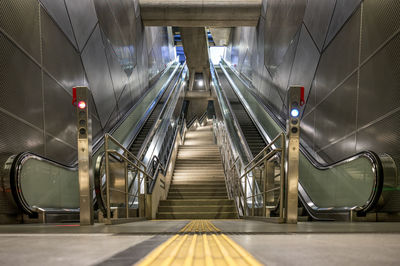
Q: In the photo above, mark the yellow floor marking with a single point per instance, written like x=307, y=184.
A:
x=190, y=254
x=199, y=243
x=175, y=251
x=207, y=252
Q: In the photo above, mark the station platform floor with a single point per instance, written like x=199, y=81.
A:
x=181, y=242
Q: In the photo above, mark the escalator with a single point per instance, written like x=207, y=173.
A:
x=327, y=192
x=40, y=186
x=137, y=144
x=253, y=137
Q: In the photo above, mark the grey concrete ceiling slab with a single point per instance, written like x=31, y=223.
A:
x=221, y=35
x=192, y=13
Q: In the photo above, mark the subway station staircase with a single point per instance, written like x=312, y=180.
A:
x=198, y=188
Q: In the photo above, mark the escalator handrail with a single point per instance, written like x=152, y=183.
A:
x=154, y=126
x=370, y=155
x=21, y=158
x=15, y=173
x=235, y=121
x=158, y=98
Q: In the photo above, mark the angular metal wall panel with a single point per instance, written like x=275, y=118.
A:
x=382, y=137
x=305, y=62
x=95, y=62
x=307, y=129
x=340, y=150
x=284, y=22
x=282, y=73
x=118, y=76
x=20, y=84
x=60, y=58
x=58, y=11
x=381, y=19
x=83, y=18
x=60, y=114
x=125, y=100
x=380, y=83
x=332, y=125
x=317, y=18
x=17, y=137
x=20, y=20
x=59, y=151
x=311, y=99
x=339, y=59
x=97, y=130
x=343, y=10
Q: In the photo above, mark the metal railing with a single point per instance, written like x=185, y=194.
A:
x=257, y=188
x=113, y=175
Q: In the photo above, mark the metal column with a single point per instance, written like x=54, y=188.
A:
x=84, y=155
x=293, y=135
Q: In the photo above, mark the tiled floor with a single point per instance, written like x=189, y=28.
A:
x=327, y=243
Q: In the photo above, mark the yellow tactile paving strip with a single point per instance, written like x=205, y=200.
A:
x=200, y=226
x=199, y=243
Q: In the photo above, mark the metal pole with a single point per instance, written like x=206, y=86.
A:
x=252, y=194
x=107, y=179
x=282, y=178
x=85, y=172
x=293, y=132
x=126, y=188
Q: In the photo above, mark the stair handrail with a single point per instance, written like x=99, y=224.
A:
x=123, y=155
x=383, y=165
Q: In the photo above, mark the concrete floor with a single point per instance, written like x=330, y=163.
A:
x=311, y=243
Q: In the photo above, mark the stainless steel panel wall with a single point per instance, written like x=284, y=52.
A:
x=317, y=18
x=97, y=71
x=83, y=18
x=380, y=84
x=331, y=71
x=60, y=58
x=343, y=10
x=59, y=112
x=348, y=59
x=20, y=20
x=46, y=48
x=58, y=11
x=331, y=126
x=16, y=80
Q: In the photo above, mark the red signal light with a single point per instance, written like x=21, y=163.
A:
x=82, y=105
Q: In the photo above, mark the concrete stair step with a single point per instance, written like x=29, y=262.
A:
x=199, y=182
x=198, y=186
x=205, y=208
x=196, y=196
x=196, y=215
x=197, y=193
x=196, y=189
x=196, y=202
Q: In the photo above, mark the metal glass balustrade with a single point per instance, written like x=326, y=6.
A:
x=40, y=183
x=354, y=183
